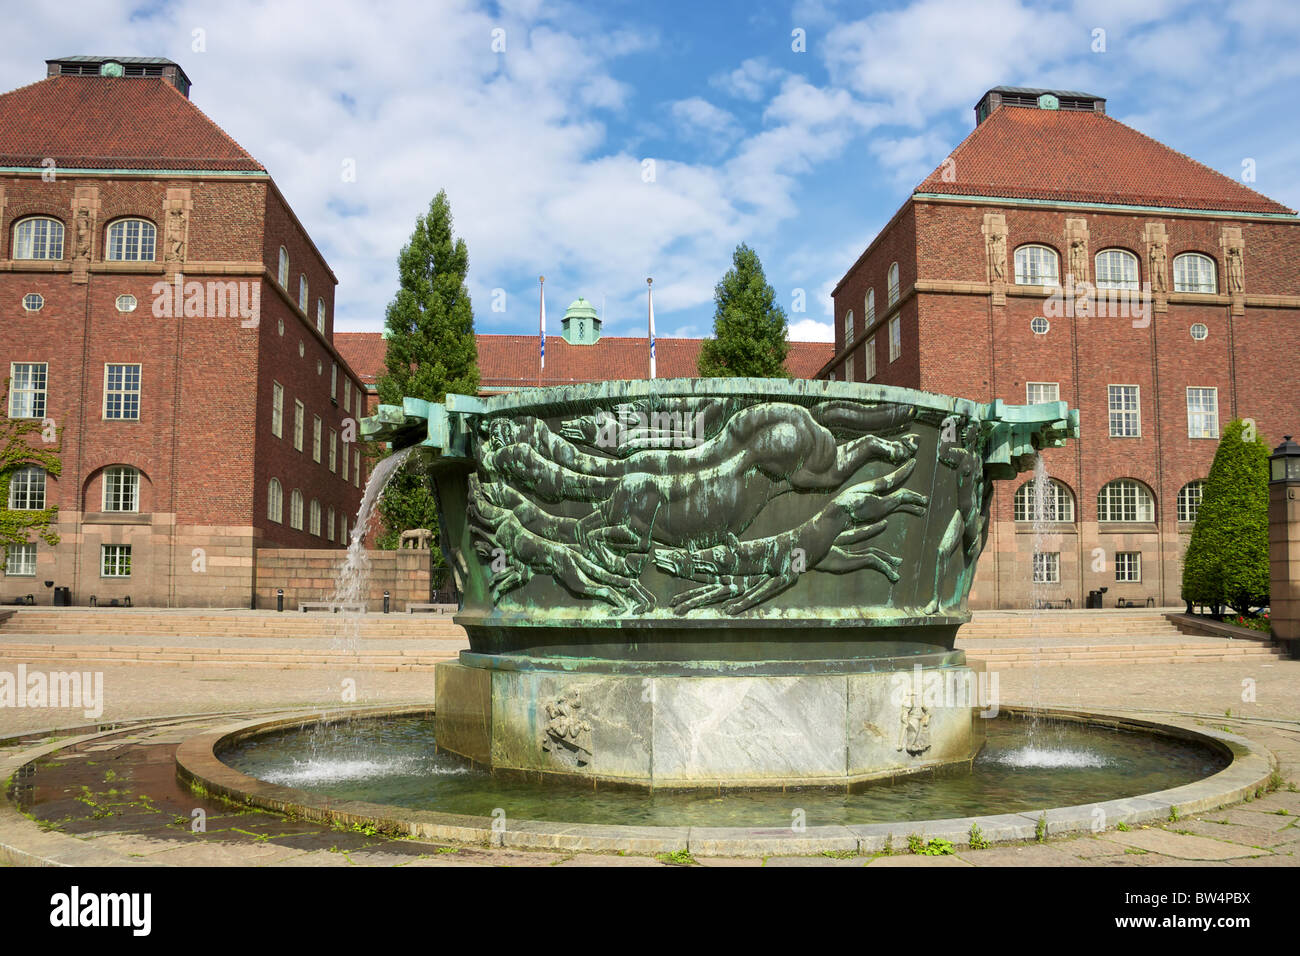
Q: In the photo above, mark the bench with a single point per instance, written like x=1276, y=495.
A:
x=334, y=606
x=433, y=608
x=1125, y=602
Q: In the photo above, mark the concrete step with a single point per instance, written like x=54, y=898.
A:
x=221, y=656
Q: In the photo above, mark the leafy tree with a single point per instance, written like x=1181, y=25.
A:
x=1227, y=558
x=430, y=351
x=749, y=328
x=18, y=452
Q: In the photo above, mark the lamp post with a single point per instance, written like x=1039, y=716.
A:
x=1284, y=545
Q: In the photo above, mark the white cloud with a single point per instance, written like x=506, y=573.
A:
x=811, y=330
x=749, y=81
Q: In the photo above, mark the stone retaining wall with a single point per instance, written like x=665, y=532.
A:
x=309, y=575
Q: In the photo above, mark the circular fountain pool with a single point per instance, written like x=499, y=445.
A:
x=1025, y=766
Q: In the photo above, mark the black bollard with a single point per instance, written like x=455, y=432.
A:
x=385, y=602
x=279, y=599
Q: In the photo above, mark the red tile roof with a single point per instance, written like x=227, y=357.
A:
x=97, y=122
x=510, y=361
x=1069, y=156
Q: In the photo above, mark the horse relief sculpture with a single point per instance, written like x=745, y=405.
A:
x=602, y=497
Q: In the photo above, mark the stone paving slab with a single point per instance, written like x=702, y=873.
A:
x=1181, y=846
x=924, y=861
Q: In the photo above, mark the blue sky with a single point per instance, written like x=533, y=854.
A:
x=542, y=147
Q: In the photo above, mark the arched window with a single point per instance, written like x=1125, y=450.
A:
x=27, y=490
x=131, y=240
x=1037, y=265
x=1194, y=272
x=320, y=315
x=302, y=292
x=329, y=525
x=870, y=309
x=275, y=502
x=849, y=333
x=893, y=283
x=283, y=274
x=1057, y=506
x=38, y=238
x=121, y=489
x=1117, y=269
x=1125, y=500
x=1189, y=499
x=295, y=510
x=315, y=517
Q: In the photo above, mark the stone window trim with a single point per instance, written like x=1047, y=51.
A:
x=27, y=236
x=131, y=239
x=1028, y=255
x=1183, y=262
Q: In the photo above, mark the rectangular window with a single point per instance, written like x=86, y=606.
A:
x=895, y=338
x=122, y=489
x=122, y=392
x=1047, y=568
x=356, y=467
x=277, y=409
x=20, y=560
x=871, y=359
x=1128, y=566
x=848, y=369
x=334, y=381
x=115, y=561
x=345, y=461
x=347, y=394
x=1036, y=393
x=298, y=413
x=315, y=438
x=27, y=490
x=1125, y=416
x=358, y=403
x=334, y=450
x=1202, y=413
x=27, y=389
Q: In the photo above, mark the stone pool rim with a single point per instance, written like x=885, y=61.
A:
x=1249, y=769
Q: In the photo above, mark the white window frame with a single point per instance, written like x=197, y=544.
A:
x=895, y=338
x=848, y=369
x=299, y=414
x=329, y=525
x=892, y=278
x=121, y=491
x=113, y=559
x=1043, y=388
x=320, y=316
x=303, y=297
x=1112, y=275
x=1121, y=414
x=277, y=409
x=1128, y=567
x=121, y=396
x=315, y=516
x=1031, y=261
x=1047, y=567
x=1205, y=268
x=1202, y=412
x=870, y=349
x=356, y=467
x=1190, y=497
x=345, y=461
x=315, y=438
x=275, y=501
x=28, y=389
x=1060, y=506
x=283, y=274
x=27, y=489
x=1117, y=495
x=334, y=441
x=126, y=245
x=849, y=332
x=347, y=393
x=26, y=240
x=20, y=560
x=295, y=510
x=869, y=308
x=334, y=381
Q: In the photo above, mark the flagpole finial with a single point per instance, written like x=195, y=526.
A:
x=649, y=281
x=541, y=278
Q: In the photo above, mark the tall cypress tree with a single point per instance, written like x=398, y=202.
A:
x=749, y=328
x=431, y=351
x=1227, y=558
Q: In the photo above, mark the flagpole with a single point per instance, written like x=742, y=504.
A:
x=650, y=297
x=541, y=292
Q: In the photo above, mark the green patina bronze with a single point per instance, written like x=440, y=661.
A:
x=716, y=519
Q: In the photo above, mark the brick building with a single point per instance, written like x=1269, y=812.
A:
x=170, y=316
x=1057, y=253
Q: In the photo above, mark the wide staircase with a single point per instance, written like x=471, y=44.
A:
x=1005, y=639
x=1000, y=639
x=392, y=642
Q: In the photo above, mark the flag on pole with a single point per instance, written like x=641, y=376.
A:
x=541, y=288
x=650, y=293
